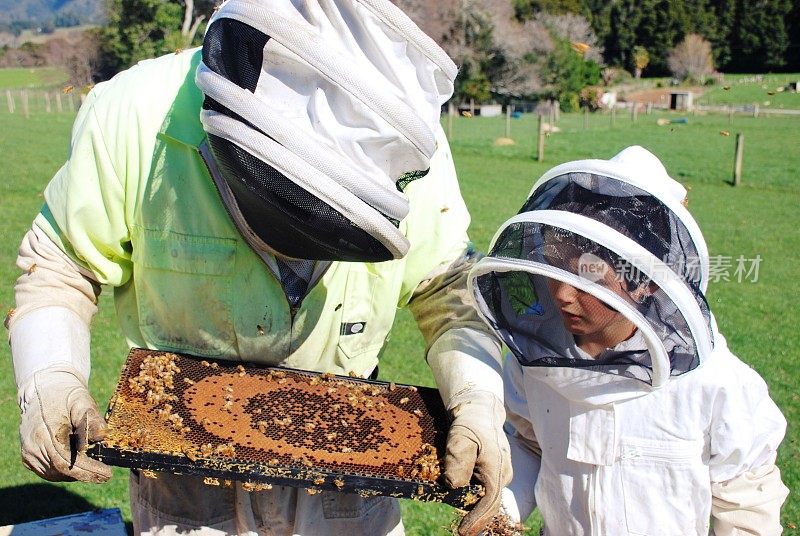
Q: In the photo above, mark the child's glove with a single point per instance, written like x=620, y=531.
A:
x=57, y=424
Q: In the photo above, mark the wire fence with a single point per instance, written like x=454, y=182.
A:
x=27, y=102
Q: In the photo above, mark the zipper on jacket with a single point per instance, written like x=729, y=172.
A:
x=631, y=454
x=206, y=157
x=666, y=454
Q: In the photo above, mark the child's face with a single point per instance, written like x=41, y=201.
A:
x=589, y=319
x=594, y=325
x=583, y=314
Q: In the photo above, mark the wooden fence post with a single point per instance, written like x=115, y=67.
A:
x=613, y=115
x=634, y=112
x=59, y=107
x=25, y=110
x=10, y=101
x=508, y=120
x=737, y=162
x=449, y=120
x=755, y=110
x=47, y=107
x=540, y=144
x=649, y=108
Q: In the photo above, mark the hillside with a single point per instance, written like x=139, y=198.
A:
x=31, y=13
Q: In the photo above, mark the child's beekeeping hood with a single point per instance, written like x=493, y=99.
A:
x=581, y=219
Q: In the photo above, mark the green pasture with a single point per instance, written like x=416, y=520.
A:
x=758, y=315
x=33, y=77
x=768, y=91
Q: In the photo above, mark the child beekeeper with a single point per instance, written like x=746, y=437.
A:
x=627, y=412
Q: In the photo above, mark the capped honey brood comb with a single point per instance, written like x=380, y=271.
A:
x=265, y=425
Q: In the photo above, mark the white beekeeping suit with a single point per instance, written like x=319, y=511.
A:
x=660, y=433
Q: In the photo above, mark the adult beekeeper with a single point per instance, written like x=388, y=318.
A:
x=272, y=197
x=627, y=412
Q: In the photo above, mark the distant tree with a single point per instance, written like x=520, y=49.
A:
x=759, y=38
x=78, y=56
x=614, y=75
x=624, y=19
x=474, y=51
x=67, y=19
x=475, y=87
x=577, y=30
x=47, y=27
x=640, y=60
x=514, y=62
x=528, y=9
x=793, y=29
x=139, y=29
x=700, y=17
x=567, y=74
x=597, y=13
x=82, y=64
x=661, y=26
x=721, y=13
x=509, y=46
x=745, y=35
x=439, y=20
x=18, y=26
x=26, y=55
x=691, y=59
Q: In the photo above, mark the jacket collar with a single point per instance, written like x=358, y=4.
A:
x=182, y=123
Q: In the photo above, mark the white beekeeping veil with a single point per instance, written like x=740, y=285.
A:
x=318, y=113
x=586, y=223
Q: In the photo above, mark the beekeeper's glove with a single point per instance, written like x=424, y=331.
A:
x=50, y=348
x=49, y=337
x=57, y=423
x=465, y=364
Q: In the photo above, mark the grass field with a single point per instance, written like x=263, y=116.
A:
x=767, y=91
x=760, y=217
x=33, y=77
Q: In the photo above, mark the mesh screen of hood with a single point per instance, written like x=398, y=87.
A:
x=628, y=210
x=518, y=304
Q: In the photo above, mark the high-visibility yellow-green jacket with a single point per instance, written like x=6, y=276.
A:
x=135, y=205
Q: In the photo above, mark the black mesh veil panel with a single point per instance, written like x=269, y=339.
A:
x=264, y=195
x=243, y=48
x=241, y=61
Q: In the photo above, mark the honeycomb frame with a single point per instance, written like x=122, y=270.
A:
x=263, y=426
